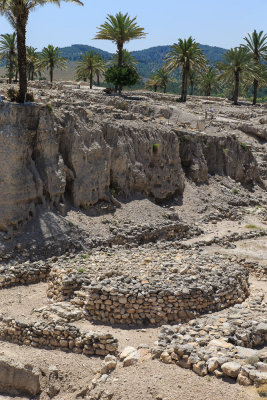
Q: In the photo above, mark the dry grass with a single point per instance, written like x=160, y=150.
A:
x=66, y=75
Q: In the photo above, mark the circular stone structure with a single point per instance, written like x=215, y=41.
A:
x=156, y=286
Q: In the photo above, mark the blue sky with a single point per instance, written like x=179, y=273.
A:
x=220, y=23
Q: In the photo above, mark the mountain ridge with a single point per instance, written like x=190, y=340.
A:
x=149, y=60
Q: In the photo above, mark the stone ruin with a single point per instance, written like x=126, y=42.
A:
x=88, y=149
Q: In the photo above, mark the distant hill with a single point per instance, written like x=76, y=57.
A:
x=149, y=60
x=74, y=52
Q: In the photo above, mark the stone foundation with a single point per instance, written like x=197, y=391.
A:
x=57, y=336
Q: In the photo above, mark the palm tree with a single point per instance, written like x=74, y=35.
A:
x=236, y=63
x=32, y=61
x=91, y=64
x=120, y=29
x=8, y=46
x=50, y=59
x=152, y=83
x=256, y=43
x=162, y=77
x=208, y=80
x=188, y=55
x=17, y=12
x=100, y=68
x=193, y=78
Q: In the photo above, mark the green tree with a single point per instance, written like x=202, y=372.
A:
x=8, y=46
x=120, y=29
x=208, y=80
x=185, y=54
x=32, y=62
x=90, y=65
x=122, y=76
x=256, y=43
x=237, y=63
x=50, y=59
x=17, y=12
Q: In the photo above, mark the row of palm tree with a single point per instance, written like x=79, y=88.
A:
x=49, y=58
x=240, y=65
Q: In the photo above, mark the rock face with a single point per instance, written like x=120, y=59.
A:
x=31, y=168
x=17, y=379
x=45, y=157
x=112, y=155
x=202, y=155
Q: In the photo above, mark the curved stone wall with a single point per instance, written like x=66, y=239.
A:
x=136, y=303
x=129, y=288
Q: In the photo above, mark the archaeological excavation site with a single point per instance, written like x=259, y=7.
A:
x=133, y=246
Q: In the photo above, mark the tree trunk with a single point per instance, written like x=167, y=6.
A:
x=91, y=80
x=10, y=72
x=120, y=49
x=208, y=90
x=51, y=74
x=164, y=88
x=97, y=79
x=255, y=91
x=184, y=84
x=21, y=46
x=236, y=88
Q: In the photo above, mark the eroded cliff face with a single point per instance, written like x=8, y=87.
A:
x=30, y=163
x=203, y=155
x=44, y=157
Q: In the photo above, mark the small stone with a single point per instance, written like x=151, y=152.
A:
x=231, y=369
x=126, y=352
x=166, y=358
x=131, y=359
x=212, y=364
x=243, y=380
x=200, y=368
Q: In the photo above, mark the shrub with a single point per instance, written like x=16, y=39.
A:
x=123, y=105
x=123, y=76
x=155, y=147
x=49, y=107
x=29, y=97
x=243, y=145
x=12, y=94
x=251, y=226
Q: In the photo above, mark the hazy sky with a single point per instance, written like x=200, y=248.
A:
x=220, y=23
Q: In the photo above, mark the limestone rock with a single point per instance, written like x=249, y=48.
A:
x=17, y=379
x=231, y=369
x=129, y=356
